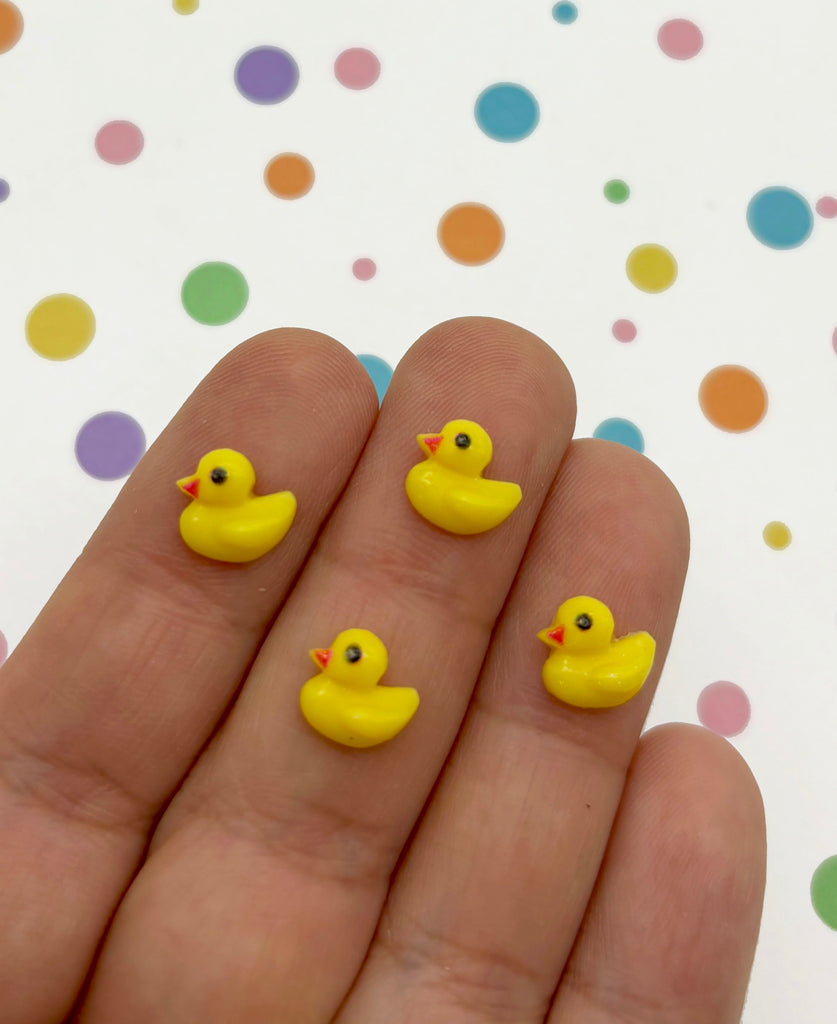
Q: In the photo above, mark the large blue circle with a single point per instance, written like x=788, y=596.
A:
x=565, y=12
x=779, y=217
x=621, y=431
x=507, y=112
x=380, y=372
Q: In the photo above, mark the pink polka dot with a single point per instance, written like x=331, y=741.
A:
x=364, y=269
x=724, y=708
x=119, y=142
x=680, y=39
x=834, y=340
x=357, y=68
x=827, y=207
x=4, y=648
x=624, y=330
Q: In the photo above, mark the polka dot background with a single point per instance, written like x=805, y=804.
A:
x=369, y=172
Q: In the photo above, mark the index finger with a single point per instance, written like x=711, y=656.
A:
x=112, y=693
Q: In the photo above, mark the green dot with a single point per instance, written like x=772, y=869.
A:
x=824, y=891
x=214, y=293
x=616, y=190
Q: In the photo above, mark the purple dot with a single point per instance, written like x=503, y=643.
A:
x=266, y=75
x=109, y=445
x=4, y=190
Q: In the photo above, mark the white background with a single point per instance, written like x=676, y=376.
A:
x=695, y=140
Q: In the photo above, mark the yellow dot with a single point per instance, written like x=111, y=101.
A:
x=185, y=6
x=776, y=535
x=651, y=268
x=60, y=327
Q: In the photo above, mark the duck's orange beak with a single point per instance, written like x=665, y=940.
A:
x=189, y=485
x=322, y=656
x=430, y=441
x=555, y=634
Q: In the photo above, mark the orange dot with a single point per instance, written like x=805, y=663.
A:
x=11, y=25
x=732, y=398
x=471, y=233
x=289, y=176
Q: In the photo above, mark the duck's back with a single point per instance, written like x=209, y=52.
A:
x=459, y=503
x=240, y=533
x=357, y=718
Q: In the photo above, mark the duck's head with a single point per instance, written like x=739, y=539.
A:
x=462, y=446
x=357, y=658
x=581, y=625
x=223, y=477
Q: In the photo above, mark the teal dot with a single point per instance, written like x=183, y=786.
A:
x=565, y=13
x=779, y=217
x=507, y=112
x=622, y=432
x=379, y=371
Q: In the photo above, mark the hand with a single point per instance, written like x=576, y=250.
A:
x=172, y=829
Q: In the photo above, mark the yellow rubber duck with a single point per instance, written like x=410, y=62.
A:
x=587, y=667
x=345, y=703
x=225, y=520
x=448, y=488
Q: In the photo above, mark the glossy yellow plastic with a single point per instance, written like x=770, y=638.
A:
x=448, y=488
x=225, y=520
x=345, y=703
x=586, y=667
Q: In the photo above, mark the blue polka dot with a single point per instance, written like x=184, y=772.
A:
x=507, y=112
x=4, y=189
x=379, y=371
x=621, y=431
x=565, y=13
x=780, y=217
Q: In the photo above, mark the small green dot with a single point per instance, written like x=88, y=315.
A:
x=824, y=891
x=616, y=190
x=214, y=293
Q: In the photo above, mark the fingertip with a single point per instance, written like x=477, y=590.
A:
x=688, y=762
x=515, y=367
x=298, y=360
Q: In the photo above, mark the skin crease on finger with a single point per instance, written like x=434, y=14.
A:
x=266, y=876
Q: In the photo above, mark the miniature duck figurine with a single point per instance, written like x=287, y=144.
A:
x=448, y=488
x=225, y=520
x=345, y=703
x=587, y=667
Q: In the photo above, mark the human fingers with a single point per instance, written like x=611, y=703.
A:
x=267, y=874
x=671, y=930
x=112, y=693
x=486, y=906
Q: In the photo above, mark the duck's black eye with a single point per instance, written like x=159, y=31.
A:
x=218, y=475
x=353, y=653
x=583, y=621
x=462, y=441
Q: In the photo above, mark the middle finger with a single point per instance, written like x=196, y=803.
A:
x=276, y=855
